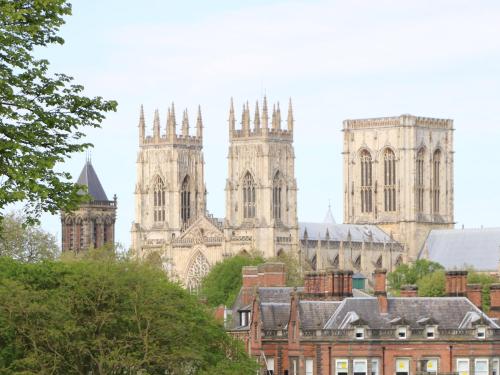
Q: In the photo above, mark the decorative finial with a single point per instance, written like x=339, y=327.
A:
x=256, y=118
x=142, y=125
x=199, y=124
x=156, y=125
x=232, y=120
x=278, y=116
x=290, y=116
x=185, y=123
x=273, y=118
x=265, y=117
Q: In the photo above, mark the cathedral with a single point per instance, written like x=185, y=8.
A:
x=398, y=185
x=171, y=219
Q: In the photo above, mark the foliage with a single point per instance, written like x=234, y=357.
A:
x=107, y=317
x=41, y=114
x=294, y=271
x=432, y=284
x=411, y=273
x=223, y=283
x=26, y=243
x=485, y=280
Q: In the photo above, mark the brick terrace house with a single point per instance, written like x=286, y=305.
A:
x=327, y=327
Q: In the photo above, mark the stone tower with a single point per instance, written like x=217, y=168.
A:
x=93, y=224
x=261, y=190
x=398, y=174
x=170, y=188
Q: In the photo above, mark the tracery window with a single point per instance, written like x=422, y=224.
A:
x=276, y=197
x=366, y=181
x=158, y=200
x=420, y=180
x=198, y=268
x=389, y=180
x=436, y=188
x=248, y=197
x=185, y=201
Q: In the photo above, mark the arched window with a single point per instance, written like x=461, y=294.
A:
x=159, y=200
x=420, y=180
x=366, y=181
x=248, y=197
x=185, y=201
x=436, y=175
x=276, y=197
x=198, y=268
x=389, y=180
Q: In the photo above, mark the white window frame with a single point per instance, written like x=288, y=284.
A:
x=435, y=370
x=362, y=361
x=481, y=333
x=360, y=330
x=402, y=329
x=270, y=364
x=344, y=370
x=487, y=366
x=309, y=366
x=294, y=365
x=430, y=329
x=495, y=366
x=464, y=360
x=375, y=365
x=402, y=359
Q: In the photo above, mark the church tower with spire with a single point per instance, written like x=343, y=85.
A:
x=261, y=190
x=92, y=225
x=170, y=187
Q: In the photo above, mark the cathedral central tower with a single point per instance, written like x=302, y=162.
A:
x=261, y=190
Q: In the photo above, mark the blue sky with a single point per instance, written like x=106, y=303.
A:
x=335, y=59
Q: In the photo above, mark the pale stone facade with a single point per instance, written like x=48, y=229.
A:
x=398, y=175
x=171, y=220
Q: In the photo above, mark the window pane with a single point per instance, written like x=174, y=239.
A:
x=309, y=366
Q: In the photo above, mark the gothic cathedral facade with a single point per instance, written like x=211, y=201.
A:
x=171, y=220
x=398, y=175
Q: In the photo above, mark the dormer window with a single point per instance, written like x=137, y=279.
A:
x=430, y=332
x=481, y=332
x=402, y=333
x=360, y=333
x=244, y=318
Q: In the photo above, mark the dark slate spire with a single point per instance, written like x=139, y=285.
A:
x=89, y=178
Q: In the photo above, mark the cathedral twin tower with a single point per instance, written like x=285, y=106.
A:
x=171, y=220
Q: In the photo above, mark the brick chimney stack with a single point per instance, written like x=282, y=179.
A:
x=263, y=275
x=494, y=301
x=379, y=276
x=330, y=284
x=456, y=283
x=474, y=294
x=409, y=291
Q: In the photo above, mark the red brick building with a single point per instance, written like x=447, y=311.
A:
x=329, y=328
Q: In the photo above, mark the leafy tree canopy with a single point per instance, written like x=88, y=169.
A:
x=107, y=317
x=42, y=114
x=223, y=283
x=26, y=243
x=411, y=273
x=294, y=271
x=432, y=284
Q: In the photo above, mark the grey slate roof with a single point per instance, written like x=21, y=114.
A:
x=275, y=315
x=454, y=248
x=89, y=178
x=342, y=232
x=315, y=314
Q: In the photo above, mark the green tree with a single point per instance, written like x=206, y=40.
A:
x=432, y=284
x=223, y=283
x=485, y=280
x=107, y=317
x=411, y=273
x=42, y=114
x=26, y=243
x=294, y=270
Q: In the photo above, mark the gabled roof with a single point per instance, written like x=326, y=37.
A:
x=456, y=248
x=89, y=178
x=344, y=232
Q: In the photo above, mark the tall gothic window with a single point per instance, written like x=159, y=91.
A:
x=277, y=197
x=366, y=181
x=436, y=189
x=159, y=200
x=248, y=197
x=198, y=268
x=420, y=180
x=185, y=201
x=389, y=180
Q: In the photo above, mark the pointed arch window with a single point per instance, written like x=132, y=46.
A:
x=366, y=181
x=248, y=197
x=185, y=201
x=277, y=197
x=159, y=200
x=198, y=268
x=420, y=180
x=436, y=175
x=389, y=180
